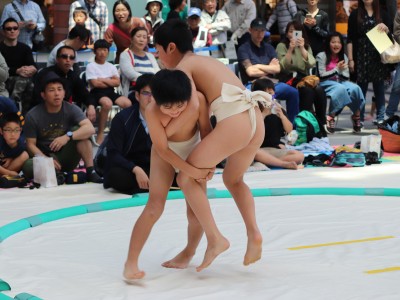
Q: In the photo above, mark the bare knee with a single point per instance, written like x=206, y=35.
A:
x=231, y=182
x=182, y=179
x=105, y=103
x=154, y=211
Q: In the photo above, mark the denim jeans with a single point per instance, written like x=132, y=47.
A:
x=379, y=91
x=290, y=94
x=394, y=98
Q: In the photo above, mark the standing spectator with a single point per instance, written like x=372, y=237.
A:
x=3, y=76
x=153, y=19
x=296, y=60
x=284, y=12
x=29, y=16
x=21, y=65
x=128, y=145
x=77, y=37
x=80, y=16
x=119, y=32
x=364, y=59
x=216, y=21
x=97, y=22
x=241, y=13
x=316, y=24
x=60, y=130
x=176, y=6
x=103, y=78
x=258, y=58
x=136, y=61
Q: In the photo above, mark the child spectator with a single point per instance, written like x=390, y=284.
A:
x=272, y=151
x=103, y=77
x=334, y=72
x=201, y=36
x=80, y=16
x=12, y=145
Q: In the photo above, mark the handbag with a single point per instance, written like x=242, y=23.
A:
x=44, y=172
x=310, y=81
x=392, y=54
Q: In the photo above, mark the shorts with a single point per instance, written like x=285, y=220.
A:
x=97, y=94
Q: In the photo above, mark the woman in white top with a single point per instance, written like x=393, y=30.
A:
x=135, y=60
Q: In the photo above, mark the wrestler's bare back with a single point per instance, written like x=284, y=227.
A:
x=208, y=74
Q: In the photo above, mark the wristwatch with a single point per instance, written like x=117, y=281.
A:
x=69, y=134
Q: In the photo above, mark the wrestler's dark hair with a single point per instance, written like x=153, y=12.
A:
x=262, y=84
x=170, y=87
x=143, y=81
x=174, y=31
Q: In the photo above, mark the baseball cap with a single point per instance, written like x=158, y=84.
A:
x=194, y=11
x=258, y=24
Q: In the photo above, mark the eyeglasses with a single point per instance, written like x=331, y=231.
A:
x=66, y=56
x=9, y=130
x=146, y=93
x=15, y=28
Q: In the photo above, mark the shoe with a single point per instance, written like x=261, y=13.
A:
x=330, y=124
x=93, y=177
x=356, y=123
x=378, y=122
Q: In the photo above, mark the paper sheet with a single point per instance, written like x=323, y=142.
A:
x=380, y=40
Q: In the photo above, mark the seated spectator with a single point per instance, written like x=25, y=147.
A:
x=272, y=151
x=128, y=145
x=296, y=60
x=103, y=78
x=334, y=72
x=136, y=61
x=152, y=18
x=12, y=145
x=77, y=37
x=201, y=36
x=284, y=12
x=175, y=6
x=75, y=90
x=3, y=76
x=60, y=130
x=216, y=21
x=258, y=59
x=21, y=65
x=80, y=15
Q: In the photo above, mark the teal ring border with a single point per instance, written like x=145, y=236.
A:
x=212, y=193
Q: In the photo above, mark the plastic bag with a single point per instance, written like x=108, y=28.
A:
x=44, y=172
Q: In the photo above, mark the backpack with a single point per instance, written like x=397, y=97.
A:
x=307, y=127
x=345, y=156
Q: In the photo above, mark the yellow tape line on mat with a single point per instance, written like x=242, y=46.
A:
x=391, y=269
x=342, y=243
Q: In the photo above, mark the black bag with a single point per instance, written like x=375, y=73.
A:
x=100, y=158
x=7, y=181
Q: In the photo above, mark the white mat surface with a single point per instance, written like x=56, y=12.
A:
x=82, y=257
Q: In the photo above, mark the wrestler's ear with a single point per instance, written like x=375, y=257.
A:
x=171, y=47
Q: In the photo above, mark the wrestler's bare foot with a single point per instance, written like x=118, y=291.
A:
x=181, y=261
x=212, y=252
x=131, y=274
x=254, y=249
x=289, y=165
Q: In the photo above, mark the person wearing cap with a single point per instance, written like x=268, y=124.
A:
x=258, y=58
x=59, y=129
x=241, y=13
x=128, y=145
x=153, y=19
x=216, y=21
x=201, y=36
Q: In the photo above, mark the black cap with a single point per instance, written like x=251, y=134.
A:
x=258, y=24
x=51, y=77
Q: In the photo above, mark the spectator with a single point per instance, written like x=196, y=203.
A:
x=296, y=60
x=21, y=65
x=29, y=16
x=97, y=22
x=128, y=145
x=12, y=145
x=258, y=59
x=272, y=151
x=201, y=36
x=78, y=36
x=8, y=106
x=60, y=130
x=103, y=78
x=80, y=16
x=175, y=6
x=152, y=18
x=136, y=61
x=75, y=90
x=316, y=24
x=364, y=59
x=284, y=12
x=216, y=21
x=119, y=31
x=241, y=13
x=333, y=69
x=3, y=76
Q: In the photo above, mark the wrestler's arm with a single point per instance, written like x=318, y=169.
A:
x=160, y=144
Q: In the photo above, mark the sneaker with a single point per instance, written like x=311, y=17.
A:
x=330, y=124
x=378, y=122
x=93, y=177
x=356, y=123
